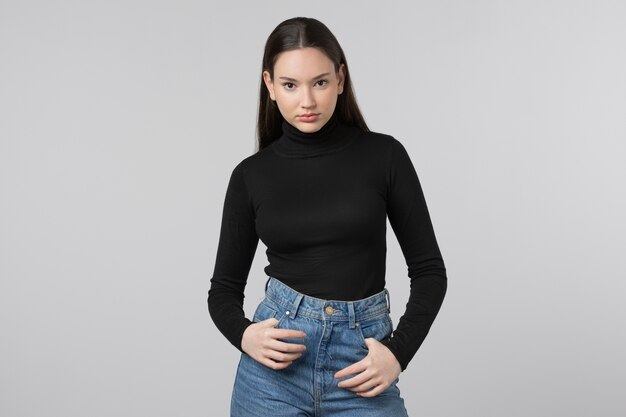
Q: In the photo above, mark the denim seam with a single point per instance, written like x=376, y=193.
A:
x=371, y=313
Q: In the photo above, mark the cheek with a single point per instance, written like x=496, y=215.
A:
x=329, y=99
x=286, y=102
x=287, y=108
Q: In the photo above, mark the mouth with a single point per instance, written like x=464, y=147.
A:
x=308, y=118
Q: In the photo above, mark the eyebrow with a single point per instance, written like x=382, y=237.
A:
x=315, y=78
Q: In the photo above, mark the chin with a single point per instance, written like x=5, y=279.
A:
x=310, y=127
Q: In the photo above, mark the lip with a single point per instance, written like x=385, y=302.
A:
x=309, y=117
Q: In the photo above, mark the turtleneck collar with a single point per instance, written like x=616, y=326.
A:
x=332, y=137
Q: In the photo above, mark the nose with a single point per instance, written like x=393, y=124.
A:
x=308, y=100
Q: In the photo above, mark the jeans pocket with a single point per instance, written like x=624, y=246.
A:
x=263, y=312
x=268, y=309
x=379, y=327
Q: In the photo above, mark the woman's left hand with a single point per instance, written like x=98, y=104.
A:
x=377, y=370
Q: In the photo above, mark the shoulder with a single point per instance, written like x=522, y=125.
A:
x=387, y=146
x=381, y=139
x=252, y=163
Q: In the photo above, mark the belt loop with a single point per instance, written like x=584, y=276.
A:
x=267, y=283
x=388, y=299
x=351, y=315
x=295, y=305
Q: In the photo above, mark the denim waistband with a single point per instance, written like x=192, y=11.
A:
x=297, y=303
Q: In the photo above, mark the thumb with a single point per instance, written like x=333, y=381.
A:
x=271, y=322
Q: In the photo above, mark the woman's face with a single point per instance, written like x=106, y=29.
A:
x=305, y=83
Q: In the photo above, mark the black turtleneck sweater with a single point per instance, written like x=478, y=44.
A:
x=319, y=202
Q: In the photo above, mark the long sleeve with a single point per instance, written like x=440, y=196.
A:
x=411, y=223
x=236, y=249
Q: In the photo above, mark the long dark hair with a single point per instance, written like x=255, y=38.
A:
x=296, y=33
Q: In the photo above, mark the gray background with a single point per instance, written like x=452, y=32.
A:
x=121, y=122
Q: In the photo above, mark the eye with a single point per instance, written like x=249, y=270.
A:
x=324, y=81
x=285, y=85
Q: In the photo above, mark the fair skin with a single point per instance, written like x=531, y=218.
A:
x=305, y=82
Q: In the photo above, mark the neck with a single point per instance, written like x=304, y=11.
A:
x=332, y=137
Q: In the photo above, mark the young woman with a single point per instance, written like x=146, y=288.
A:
x=318, y=193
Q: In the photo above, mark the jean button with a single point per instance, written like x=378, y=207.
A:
x=329, y=309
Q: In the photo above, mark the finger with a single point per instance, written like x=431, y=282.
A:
x=365, y=386
x=276, y=333
x=271, y=322
x=356, y=381
x=275, y=365
x=352, y=369
x=373, y=392
x=288, y=333
x=281, y=346
x=282, y=356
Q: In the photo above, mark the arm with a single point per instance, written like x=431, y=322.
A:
x=237, y=245
x=411, y=223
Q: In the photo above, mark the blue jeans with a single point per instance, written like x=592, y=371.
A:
x=336, y=333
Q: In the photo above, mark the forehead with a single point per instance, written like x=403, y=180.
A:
x=302, y=64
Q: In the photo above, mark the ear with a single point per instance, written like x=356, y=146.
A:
x=269, y=84
x=341, y=75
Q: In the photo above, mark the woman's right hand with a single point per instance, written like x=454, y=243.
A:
x=260, y=341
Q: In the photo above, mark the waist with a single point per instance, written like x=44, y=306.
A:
x=317, y=308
